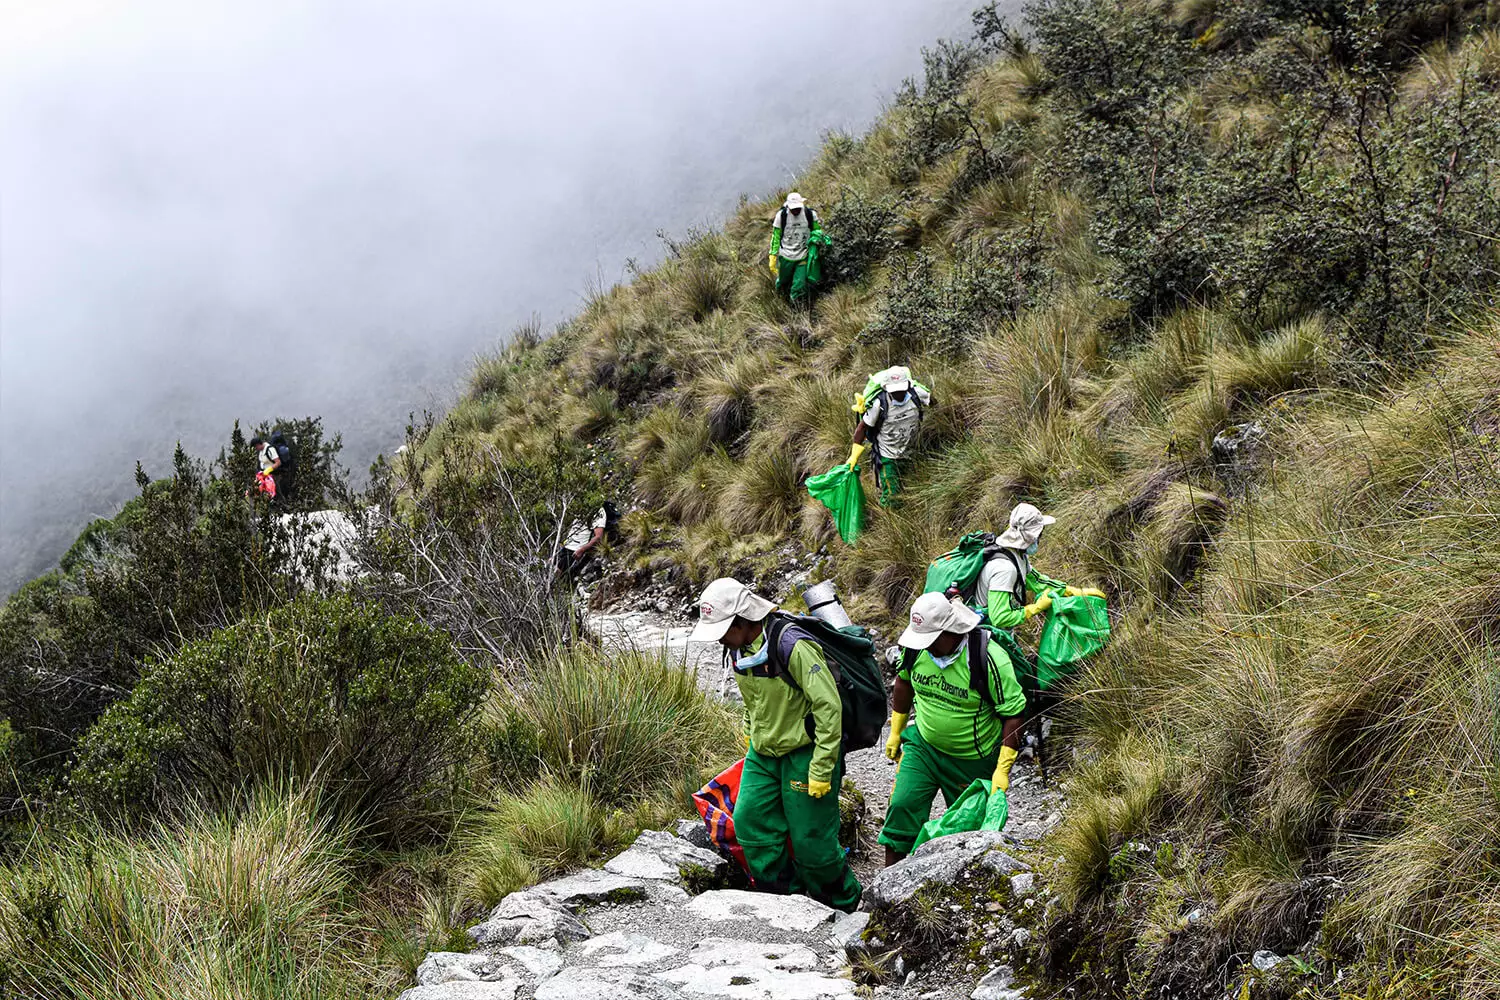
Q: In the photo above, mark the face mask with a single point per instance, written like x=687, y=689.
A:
x=943, y=661
x=744, y=661
x=1031, y=549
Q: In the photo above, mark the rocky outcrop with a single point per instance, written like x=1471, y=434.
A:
x=632, y=932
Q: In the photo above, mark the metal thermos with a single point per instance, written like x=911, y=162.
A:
x=823, y=601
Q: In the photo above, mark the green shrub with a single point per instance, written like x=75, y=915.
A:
x=619, y=724
x=373, y=707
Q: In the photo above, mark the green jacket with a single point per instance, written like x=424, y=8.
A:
x=1000, y=605
x=951, y=716
x=776, y=712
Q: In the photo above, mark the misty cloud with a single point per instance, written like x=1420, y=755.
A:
x=211, y=211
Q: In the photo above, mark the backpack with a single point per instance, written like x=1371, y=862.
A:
x=873, y=390
x=850, y=653
x=961, y=565
x=611, y=522
x=284, y=451
x=780, y=221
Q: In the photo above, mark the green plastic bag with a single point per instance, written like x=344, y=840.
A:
x=1077, y=628
x=817, y=245
x=840, y=491
x=976, y=809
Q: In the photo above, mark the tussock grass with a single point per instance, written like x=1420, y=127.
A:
x=250, y=902
x=611, y=723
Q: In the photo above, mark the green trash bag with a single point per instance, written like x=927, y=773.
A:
x=1077, y=628
x=976, y=809
x=817, y=247
x=839, y=490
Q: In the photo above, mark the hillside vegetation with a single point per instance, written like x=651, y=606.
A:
x=1212, y=281
x=1106, y=241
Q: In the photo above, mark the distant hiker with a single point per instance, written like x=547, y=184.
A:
x=890, y=415
x=792, y=231
x=583, y=541
x=969, y=709
x=787, y=814
x=268, y=460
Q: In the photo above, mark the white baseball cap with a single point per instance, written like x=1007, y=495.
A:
x=896, y=379
x=1026, y=524
x=794, y=200
x=722, y=601
x=934, y=614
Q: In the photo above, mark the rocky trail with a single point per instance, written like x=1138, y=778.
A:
x=657, y=922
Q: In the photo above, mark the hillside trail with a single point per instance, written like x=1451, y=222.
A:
x=637, y=929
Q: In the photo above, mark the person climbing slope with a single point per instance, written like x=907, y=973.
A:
x=891, y=411
x=269, y=461
x=792, y=231
x=583, y=542
x=786, y=817
x=1008, y=578
x=969, y=713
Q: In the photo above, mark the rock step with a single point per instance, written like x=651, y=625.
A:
x=632, y=931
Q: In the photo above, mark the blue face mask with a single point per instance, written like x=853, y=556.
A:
x=1031, y=549
x=744, y=661
x=944, y=661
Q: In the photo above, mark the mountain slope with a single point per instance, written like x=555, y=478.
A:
x=1212, y=283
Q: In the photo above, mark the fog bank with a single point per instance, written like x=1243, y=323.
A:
x=217, y=211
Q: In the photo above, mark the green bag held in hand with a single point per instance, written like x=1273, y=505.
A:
x=1077, y=628
x=839, y=490
x=976, y=809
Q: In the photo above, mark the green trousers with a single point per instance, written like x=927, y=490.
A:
x=791, y=839
x=791, y=279
x=890, y=481
x=925, y=772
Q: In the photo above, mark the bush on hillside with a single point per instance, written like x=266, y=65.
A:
x=464, y=538
x=374, y=708
x=189, y=554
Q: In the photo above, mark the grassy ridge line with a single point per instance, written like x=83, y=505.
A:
x=1301, y=700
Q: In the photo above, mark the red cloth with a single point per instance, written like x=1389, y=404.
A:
x=267, y=485
x=715, y=802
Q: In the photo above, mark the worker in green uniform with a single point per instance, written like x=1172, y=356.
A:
x=969, y=712
x=788, y=794
x=1008, y=579
x=791, y=230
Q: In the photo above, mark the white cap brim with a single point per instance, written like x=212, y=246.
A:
x=901, y=386
x=912, y=639
x=710, y=631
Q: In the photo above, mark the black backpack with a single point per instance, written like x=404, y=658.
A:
x=979, y=642
x=850, y=653
x=780, y=221
x=611, y=522
x=284, y=452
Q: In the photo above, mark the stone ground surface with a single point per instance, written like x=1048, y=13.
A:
x=632, y=930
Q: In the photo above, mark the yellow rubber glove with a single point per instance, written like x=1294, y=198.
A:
x=893, y=742
x=855, y=453
x=1042, y=604
x=818, y=789
x=1082, y=592
x=772, y=264
x=860, y=406
x=1001, y=781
